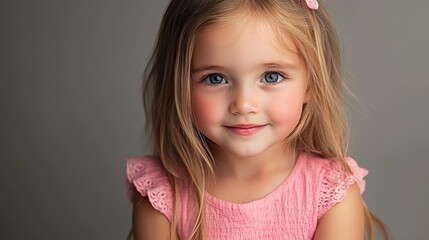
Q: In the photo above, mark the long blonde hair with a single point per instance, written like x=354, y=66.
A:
x=322, y=130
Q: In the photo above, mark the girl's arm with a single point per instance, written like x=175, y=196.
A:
x=149, y=223
x=345, y=220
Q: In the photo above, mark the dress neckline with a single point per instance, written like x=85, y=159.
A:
x=223, y=204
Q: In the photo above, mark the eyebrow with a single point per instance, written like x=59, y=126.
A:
x=276, y=65
x=279, y=65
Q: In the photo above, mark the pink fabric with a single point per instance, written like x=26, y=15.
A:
x=312, y=4
x=291, y=211
x=146, y=176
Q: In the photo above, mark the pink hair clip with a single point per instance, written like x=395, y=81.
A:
x=312, y=4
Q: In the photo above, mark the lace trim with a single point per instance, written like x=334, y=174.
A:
x=336, y=182
x=147, y=177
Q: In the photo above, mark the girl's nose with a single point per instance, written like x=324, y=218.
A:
x=243, y=101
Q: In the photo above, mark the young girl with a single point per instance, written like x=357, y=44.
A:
x=244, y=99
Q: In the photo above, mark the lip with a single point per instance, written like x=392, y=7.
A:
x=245, y=129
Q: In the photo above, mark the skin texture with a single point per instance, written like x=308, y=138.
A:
x=148, y=223
x=242, y=54
x=242, y=75
x=345, y=220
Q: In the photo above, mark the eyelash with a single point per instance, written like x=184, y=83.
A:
x=205, y=78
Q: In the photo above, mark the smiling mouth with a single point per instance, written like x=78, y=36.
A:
x=245, y=129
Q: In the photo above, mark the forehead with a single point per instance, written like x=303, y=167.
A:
x=229, y=30
x=243, y=43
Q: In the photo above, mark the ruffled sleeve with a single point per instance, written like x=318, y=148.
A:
x=147, y=177
x=336, y=182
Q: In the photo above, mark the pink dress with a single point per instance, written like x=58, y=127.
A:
x=291, y=211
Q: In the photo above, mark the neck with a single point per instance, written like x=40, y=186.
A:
x=278, y=158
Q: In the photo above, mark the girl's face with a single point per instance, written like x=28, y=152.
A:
x=248, y=90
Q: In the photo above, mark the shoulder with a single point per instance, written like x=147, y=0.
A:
x=340, y=209
x=332, y=182
x=148, y=223
x=344, y=220
x=148, y=180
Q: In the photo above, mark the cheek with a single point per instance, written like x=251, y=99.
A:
x=205, y=108
x=286, y=110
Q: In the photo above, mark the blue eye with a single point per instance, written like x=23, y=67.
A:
x=272, y=77
x=215, y=79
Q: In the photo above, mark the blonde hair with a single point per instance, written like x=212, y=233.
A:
x=322, y=130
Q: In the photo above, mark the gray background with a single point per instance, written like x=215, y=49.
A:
x=71, y=111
